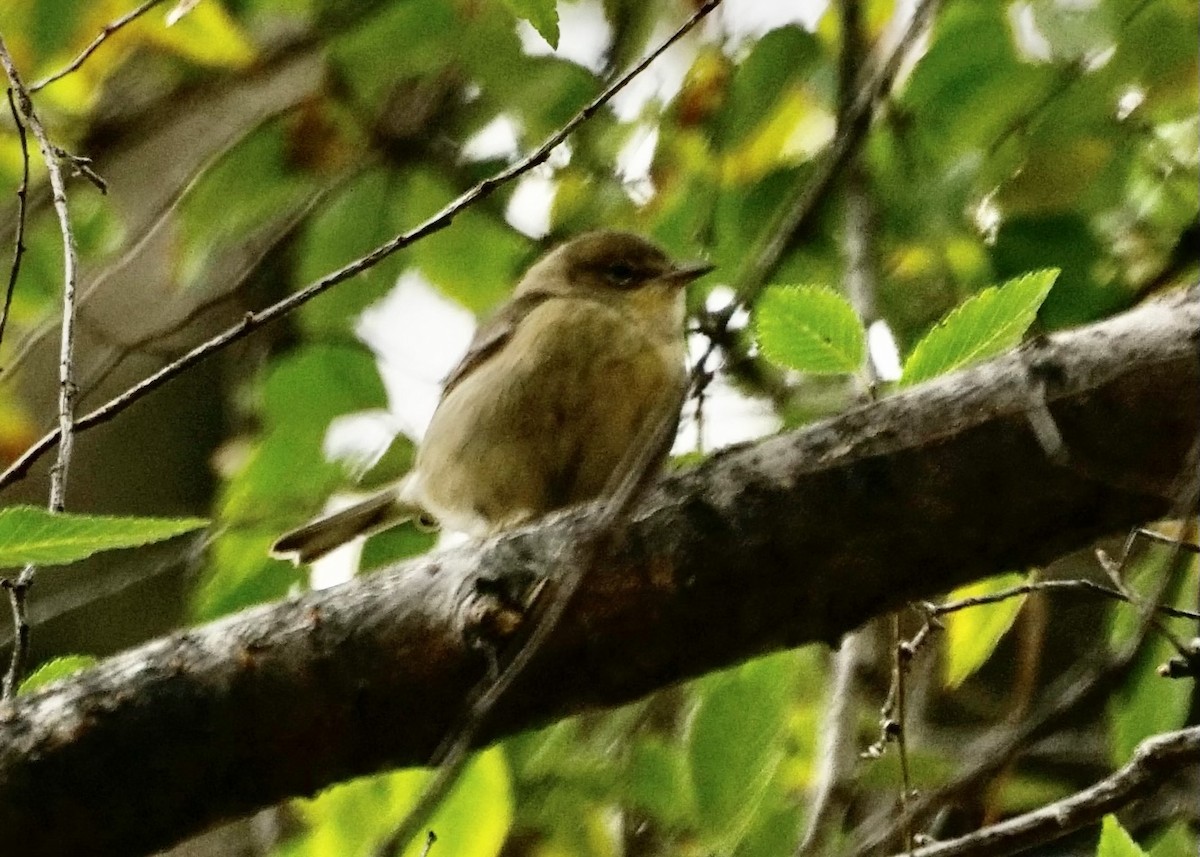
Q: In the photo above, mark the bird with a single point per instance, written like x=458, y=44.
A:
x=557, y=387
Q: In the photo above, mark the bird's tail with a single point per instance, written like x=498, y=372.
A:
x=317, y=538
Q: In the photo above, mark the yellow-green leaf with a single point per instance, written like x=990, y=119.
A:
x=354, y=817
x=987, y=324
x=205, y=34
x=810, y=329
x=1115, y=842
x=973, y=633
x=31, y=534
x=54, y=669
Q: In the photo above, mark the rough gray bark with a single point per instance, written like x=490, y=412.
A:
x=795, y=539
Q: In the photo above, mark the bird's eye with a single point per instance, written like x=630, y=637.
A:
x=620, y=274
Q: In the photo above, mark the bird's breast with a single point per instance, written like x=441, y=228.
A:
x=546, y=421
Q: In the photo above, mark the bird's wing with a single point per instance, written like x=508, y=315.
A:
x=493, y=334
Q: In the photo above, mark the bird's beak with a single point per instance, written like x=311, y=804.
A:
x=684, y=273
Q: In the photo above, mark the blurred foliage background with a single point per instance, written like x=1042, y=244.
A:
x=255, y=145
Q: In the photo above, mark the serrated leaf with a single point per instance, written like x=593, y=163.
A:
x=988, y=323
x=32, y=534
x=1115, y=842
x=973, y=634
x=54, y=669
x=810, y=329
x=541, y=14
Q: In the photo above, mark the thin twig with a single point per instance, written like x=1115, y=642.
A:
x=142, y=345
x=53, y=157
x=900, y=662
x=14, y=272
x=51, y=154
x=934, y=612
x=1167, y=540
x=1077, y=687
x=947, y=607
x=18, y=604
x=1154, y=759
x=103, y=35
x=436, y=222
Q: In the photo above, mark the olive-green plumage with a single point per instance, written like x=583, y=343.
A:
x=553, y=393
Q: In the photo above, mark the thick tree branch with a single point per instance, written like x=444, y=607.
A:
x=795, y=539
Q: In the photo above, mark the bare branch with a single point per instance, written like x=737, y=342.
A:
x=1153, y=762
x=53, y=157
x=436, y=222
x=101, y=37
x=1079, y=687
x=14, y=271
x=1050, y=586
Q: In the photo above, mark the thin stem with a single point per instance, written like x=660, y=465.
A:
x=1155, y=759
x=899, y=672
x=66, y=382
x=1078, y=687
x=53, y=157
x=16, y=666
x=1044, y=585
x=22, y=193
x=103, y=36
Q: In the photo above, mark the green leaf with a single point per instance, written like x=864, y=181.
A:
x=352, y=818
x=1067, y=241
x=777, y=64
x=32, y=534
x=1115, y=842
x=542, y=14
x=1177, y=841
x=735, y=745
x=810, y=329
x=658, y=781
x=54, y=669
x=1147, y=704
x=972, y=634
x=477, y=259
x=240, y=572
x=962, y=98
x=987, y=324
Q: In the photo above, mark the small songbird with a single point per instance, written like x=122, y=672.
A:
x=554, y=391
